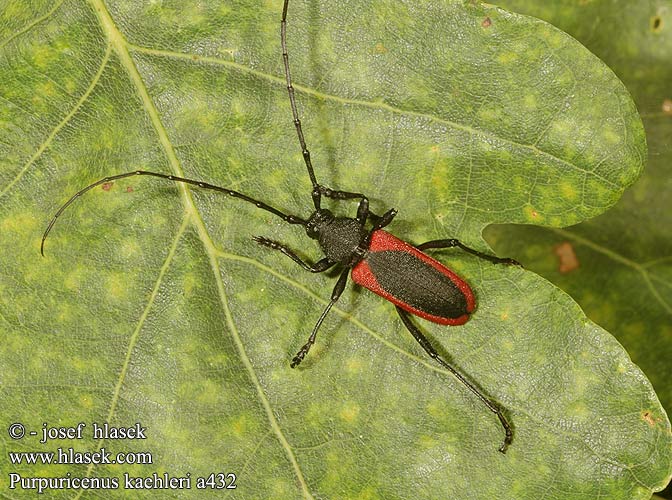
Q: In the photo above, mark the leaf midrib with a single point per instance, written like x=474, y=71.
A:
x=121, y=48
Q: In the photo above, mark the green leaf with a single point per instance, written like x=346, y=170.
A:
x=624, y=256
x=154, y=306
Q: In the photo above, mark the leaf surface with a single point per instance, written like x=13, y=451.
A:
x=153, y=305
x=622, y=264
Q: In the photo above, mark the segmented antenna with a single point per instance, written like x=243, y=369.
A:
x=291, y=219
x=292, y=101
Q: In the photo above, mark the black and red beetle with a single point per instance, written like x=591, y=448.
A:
x=397, y=271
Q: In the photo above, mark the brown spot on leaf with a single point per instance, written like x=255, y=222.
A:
x=667, y=106
x=487, y=22
x=107, y=186
x=656, y=24
x=648, y=418
x=129, y=189
x=566, y=257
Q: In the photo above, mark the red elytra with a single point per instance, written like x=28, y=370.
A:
x=384, y=241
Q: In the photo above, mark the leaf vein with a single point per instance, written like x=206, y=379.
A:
x=66, y=119
x=532, y=148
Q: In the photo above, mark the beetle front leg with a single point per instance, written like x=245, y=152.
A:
x=320, y=266
x=362, y=208
x=318, y=191
x=384, y=220
x=452, y=243
x=335, y=295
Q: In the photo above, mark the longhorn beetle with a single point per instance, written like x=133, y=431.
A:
x=397, y=271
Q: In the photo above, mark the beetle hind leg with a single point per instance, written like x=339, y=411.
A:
x=429, y=349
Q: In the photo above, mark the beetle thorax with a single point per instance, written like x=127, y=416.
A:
x=341, y=238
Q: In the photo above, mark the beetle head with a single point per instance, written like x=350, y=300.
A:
x=317, y=222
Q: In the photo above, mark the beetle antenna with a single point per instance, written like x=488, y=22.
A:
x=291, y=219
x=292, y=102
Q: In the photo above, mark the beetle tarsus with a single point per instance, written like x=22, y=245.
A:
x=509, y=262
x=508, y=438
x=296, y=360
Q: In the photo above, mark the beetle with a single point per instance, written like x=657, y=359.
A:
x=401, y=273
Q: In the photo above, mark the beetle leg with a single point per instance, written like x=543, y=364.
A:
x=384, y=220
x=319, y=190
x=452, y=242
x=380, y=222
x=429, y=349
x=320, y=266
x=362, y=209
x=335, y=194
x=335, y=295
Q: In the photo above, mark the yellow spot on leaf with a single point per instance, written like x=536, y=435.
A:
x=354, y=365
x=554, y=38
x=207, y=391
x=531, y=214
x=489, y=115
x=349, y=412
x=129, y=249
x=47, y=88
x=239, y=426
x=568, y=191
x=42, y=56
x=507, y=345
x=63, y=315
x=189, y=284
x=70, y=85
x=611, y=136
x=530, y=101
x=85, y=401
x=579, y=409
x=562, y=128
x=379, y=48
x=425, y=441
x=18, y=223
x=507, y=57
x=116, y=286
x=73, y=279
